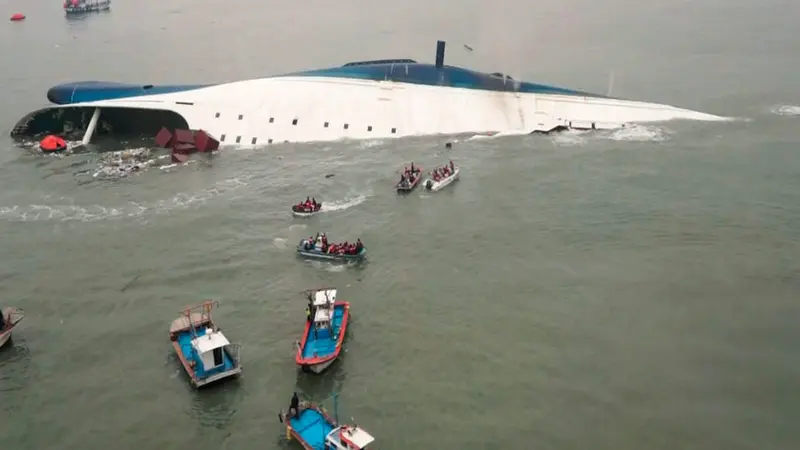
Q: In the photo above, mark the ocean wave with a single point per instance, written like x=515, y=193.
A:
x=68, y=211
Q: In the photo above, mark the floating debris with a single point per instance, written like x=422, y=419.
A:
x=122, y=163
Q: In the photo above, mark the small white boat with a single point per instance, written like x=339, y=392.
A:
x=434, y=186
x=9, y=318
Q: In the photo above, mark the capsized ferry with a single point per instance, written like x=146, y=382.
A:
x=359, y=100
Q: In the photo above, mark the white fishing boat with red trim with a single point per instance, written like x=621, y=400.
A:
x=9, y=318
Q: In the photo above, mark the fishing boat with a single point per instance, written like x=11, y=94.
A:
x=312, y=426
x=326, y=325
x=205, y=353
x=434, y=185
x=317, y=248
x=84, y=6
x=303, y=209
x=9, y=318
x=409, y=180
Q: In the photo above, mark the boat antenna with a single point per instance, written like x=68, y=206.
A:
x=336, y=408
x=610, y=83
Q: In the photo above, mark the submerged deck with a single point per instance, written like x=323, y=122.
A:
x=312, y=427
x=322, y=343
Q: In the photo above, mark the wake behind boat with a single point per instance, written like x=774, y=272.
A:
x=319, y=248
x=9, y=318
x=307, y=208
x=326, y=326
x=312, y=426
x=205, y=353
x=409, y=179
x=442, y=177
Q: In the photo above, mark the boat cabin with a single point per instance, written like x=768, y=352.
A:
x=209, y=348
x=323, y=306
x=348, y=437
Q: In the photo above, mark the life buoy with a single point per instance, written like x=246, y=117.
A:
x=52, y=143
x=17, y=17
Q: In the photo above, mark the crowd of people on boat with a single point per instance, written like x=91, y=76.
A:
x=310, y=205
x=443, y=172
x=320, y=243
x=409, y=176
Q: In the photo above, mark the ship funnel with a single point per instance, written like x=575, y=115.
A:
x=439, y=54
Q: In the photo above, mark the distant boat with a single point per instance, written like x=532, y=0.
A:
x=9, y=318
x=313, y=248
x=324, y=332
x=84, y=6
x=410, y=180
x=315, y=429
x=203, y=350
x=433, y=185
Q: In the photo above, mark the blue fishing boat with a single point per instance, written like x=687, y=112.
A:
x=205, y=353
x=326, y=326
x=319, y=248
x=311, y=426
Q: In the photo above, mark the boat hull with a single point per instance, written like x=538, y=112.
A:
x=314, y=254
x=309, y=108
x=434, y=186
x=300, y=213
x=5, y=338
x=318, y=352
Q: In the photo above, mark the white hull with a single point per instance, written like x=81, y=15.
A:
x=298, y=108
x=435, y=186
x=319, y=368
x=305, y=214
x=4, y=338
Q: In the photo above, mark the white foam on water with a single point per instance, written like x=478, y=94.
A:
x=298, y=226
x=570, y=138
x=344, y=204
x=639, y=133
x=279, y=243
x=786, y=110
x=68, y=211
x=369, y=143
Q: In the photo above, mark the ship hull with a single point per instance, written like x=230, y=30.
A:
x=313, y=109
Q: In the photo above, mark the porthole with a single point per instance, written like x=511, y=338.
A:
x=222, y=138
x=369, y=128
x=326, y=125
x=238, y=139
x=253, y=141
x=271, y=119
x=346, y=126
x=394, y=130
x=216, y=115
x=269, y=141
x=294, y=122
x=241, y=116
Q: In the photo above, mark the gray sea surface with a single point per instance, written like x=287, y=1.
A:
x=634, y=289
